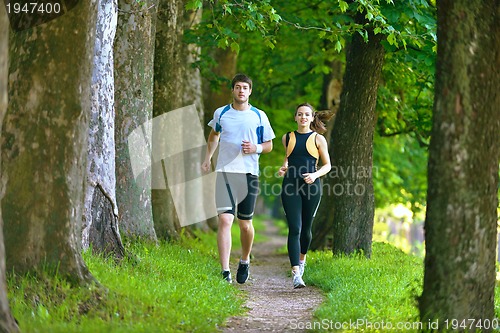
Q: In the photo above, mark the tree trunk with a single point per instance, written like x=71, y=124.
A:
x=134, y=54
x=193, y=94
x=168, y=96
x=461, y=217
x=44, y=149
x=330, y=100
x=7, y=322
x=176, y=85
x=352, y=147
x=101, y=211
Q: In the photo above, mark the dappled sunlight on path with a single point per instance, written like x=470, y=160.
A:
x=273, y=305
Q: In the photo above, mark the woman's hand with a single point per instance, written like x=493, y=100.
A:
x=282, y=171
x=309, y=178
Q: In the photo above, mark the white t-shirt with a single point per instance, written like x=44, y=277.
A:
x=236, y=126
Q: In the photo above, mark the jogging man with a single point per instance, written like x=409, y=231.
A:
x=244, y=132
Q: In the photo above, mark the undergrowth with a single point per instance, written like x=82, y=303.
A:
x=176, y=287
x=366, y=294
x=167, y=288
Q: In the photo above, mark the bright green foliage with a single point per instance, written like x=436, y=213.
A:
x=223, y=20
x=399, y=172
x=333, y=20
x=383, y=288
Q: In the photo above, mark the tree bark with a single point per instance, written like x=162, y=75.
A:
x=168, y=96
x=101, y=180
x=134, y=55
x=7, y=322
x=177, y=85
x=461, y=217
x=103, y=235
x=193, y=94
x=44, y=146
x=352, y=147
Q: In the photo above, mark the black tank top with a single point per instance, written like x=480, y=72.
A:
x=301, y=159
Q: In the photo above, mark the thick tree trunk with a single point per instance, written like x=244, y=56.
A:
x=461, y=220
x=100, y=216
x=7, y=322
x=193, y=95
x=176, y=85
x=330, y=100
x=44, y=146
x=134, y=54
x=352, y=147
x=168, y=96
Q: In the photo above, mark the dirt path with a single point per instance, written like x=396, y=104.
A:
x=274, y=306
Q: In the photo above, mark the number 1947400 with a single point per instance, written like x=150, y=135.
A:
x=39, y=8
x=468, y=324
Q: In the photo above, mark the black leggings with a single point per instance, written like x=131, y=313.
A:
x=300, y=202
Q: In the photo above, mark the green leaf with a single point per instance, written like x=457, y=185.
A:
x=343, y=6
x=235, y=47
x=391, y=38
x=275, y=17
x=222, y=43
x=194, y=4
x=338, y=46
x=269, y=44
x=250, y=25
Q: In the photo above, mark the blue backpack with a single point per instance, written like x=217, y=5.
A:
x=260, y=128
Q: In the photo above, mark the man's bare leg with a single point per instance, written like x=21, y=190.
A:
x=224, y=239
x=247, y=233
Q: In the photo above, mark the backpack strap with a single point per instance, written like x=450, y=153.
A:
x=290, y=142
x=311, y=146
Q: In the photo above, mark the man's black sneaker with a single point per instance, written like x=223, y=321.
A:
x=226, y=275
x=243, y=272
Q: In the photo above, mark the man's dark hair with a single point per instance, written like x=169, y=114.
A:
x=241, y=78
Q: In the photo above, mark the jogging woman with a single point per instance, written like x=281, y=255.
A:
x=301, y=190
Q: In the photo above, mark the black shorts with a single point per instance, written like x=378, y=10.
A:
x=236, y=192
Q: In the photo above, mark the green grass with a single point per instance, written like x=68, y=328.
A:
x=177, y=288
x=368, y=292
x=170, y=288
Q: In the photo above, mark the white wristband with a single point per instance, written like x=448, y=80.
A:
x=258, y=149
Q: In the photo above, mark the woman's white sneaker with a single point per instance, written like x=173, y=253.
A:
x=297, y=280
